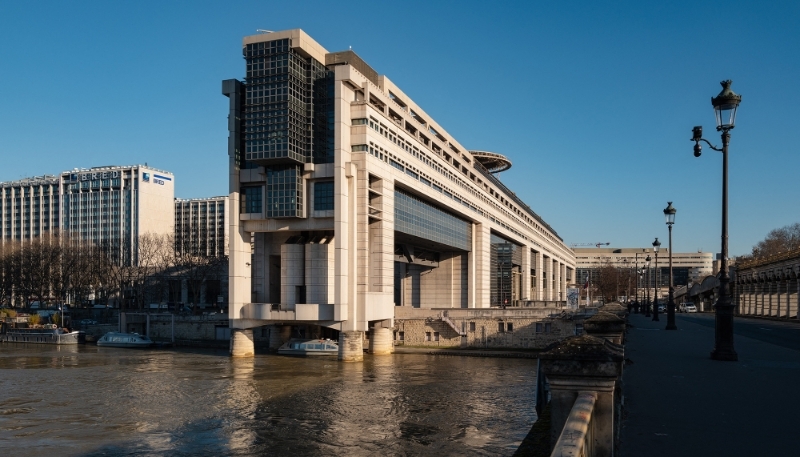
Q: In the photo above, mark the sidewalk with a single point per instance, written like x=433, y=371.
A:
x=679, y=402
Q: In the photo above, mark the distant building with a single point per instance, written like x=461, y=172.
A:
x=200, y=226
x=689, y=267
x=105, y=206
x=29, y=207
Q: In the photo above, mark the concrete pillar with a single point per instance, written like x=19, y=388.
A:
x=584, y=364
x=526, y=274
x=788, y=299
x=242, y=342
x=351, y=346
x=285, y=333
x=381, y=341
x=547, y=277
x=557, y=293
x=482, y=253
x=539, y=265
x=275, y=341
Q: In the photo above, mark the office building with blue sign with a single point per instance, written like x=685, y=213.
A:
x=104, y=206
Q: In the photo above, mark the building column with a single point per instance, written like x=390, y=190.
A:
x=788, y=298
x=381, y=341
x=563, y=283
x=547, y=277
x=539, y=266
x=526, y=274
x=557, y=280
x=242, y=343
x=483, y=257
x=351, y=346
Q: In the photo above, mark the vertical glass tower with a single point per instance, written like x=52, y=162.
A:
x=288, y=120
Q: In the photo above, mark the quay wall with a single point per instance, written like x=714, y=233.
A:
x=486, y=328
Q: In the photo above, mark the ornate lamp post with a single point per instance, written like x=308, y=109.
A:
x=669, y=214
x=647, y=286
x=656, y=245
x=725, y=105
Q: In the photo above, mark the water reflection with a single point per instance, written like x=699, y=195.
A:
x=96, y=401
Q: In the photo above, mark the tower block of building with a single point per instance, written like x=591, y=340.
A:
x=348, y=201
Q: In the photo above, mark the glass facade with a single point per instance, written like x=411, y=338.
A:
x=416, y=217
x=251, y=199
x=505, y=264
x=323, y=196
x=284, y=193
x=289, y=119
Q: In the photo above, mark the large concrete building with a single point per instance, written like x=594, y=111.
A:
x=102, y=205
x=687, y=268
x=358, y=202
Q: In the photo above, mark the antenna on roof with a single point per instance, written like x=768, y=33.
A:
x=264, y=31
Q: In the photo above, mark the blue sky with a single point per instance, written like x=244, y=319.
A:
x=592, y=101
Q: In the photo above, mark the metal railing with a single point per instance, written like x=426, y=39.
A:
x=577, y=436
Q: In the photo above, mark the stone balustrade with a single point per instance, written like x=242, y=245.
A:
x=584, y=375
x=577, y=437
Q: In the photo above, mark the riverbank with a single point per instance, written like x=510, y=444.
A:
x=499, y=353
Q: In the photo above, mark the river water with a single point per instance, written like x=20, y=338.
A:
x=89, y=401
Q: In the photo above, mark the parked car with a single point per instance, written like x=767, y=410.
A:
x=662, y=308
x=690, y=308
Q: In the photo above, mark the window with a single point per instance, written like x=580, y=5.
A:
x=251, y=199
x=579, y=329
x=500, y=327
x=510, y=327
x=435, y=336
x=538, y=327
x=427, y=336
x=547, y=327
x=323, y=196
x=401, y=336
x=472, y=326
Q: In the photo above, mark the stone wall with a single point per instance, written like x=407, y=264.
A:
x=505, y=330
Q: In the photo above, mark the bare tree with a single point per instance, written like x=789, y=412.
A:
x=779, y=240
x=8, y=250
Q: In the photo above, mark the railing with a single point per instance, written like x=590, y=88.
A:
x=577, y=436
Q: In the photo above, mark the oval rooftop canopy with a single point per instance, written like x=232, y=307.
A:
x=492, y=161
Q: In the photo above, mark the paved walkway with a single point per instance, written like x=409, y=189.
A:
x=679, y=402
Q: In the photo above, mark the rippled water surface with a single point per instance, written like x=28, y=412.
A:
x=94, y=401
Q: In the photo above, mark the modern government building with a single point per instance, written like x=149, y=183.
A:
x=348, y=200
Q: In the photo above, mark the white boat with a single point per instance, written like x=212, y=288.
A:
x=46, y=334
x=124, y=340
x=309, y=347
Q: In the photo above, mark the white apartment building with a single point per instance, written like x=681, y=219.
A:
x=200, y=226
x=105, y=206
x=358, y=202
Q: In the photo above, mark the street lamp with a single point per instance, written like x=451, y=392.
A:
x=656, y=245
x=647, y=286
x=669, y=214
x=725, y=105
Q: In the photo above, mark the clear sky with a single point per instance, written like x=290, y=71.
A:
x=593, y=102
